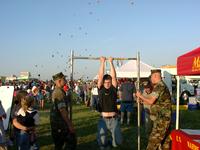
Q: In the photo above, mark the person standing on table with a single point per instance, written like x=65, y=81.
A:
x=160, y=100
x=107, y=90
x=62, y=129
x=126, y=92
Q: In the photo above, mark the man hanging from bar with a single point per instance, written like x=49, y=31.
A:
x=107, y=90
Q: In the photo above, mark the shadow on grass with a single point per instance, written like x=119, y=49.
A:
x=45, y=141
x=86, y=121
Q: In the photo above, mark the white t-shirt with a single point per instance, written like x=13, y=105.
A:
x=94, y=91
x=77, y=89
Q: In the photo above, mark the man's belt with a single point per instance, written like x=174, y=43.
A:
x=109, y=117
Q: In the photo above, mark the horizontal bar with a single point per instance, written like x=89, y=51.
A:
x=97, y=58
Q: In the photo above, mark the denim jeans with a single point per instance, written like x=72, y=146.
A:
x=148, y=122
x=94, y=102
x=112, y=125
x=23, y=141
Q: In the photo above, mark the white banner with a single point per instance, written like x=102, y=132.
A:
x=6, y=97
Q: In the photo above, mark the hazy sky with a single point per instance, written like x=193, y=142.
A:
x=37, y=35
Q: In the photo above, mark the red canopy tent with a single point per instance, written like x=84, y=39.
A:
x=189, y=63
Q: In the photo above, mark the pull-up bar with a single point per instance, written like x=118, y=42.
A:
x=97, y=58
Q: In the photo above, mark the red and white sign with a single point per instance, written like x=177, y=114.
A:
x=189, y=63
x=185, y=139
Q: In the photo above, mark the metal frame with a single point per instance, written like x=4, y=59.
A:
x=137, y=86
x=138, y=104
x=97, y=58
x=177, y=101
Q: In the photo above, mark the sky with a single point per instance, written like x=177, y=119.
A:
x=38, y=35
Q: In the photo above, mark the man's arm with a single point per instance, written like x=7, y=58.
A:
x=18, y=125
x=113, y=73
x=120, y=91
x=59, y=98
x=120, y=95
x=101, y=72
x=64, y=115
x=149, y=101
x=134, y=92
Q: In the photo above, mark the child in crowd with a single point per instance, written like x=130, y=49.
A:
x=15, y=108
x=27, y=117
x=17, y=102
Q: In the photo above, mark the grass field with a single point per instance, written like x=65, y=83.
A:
x=85, y=123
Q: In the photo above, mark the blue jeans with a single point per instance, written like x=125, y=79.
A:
x=148, y=122
x=23, y=141
x=113, y=126
x=94, y=102
x=126, y=107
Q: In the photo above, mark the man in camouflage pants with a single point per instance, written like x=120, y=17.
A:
x=62, y=129
x=160, y=102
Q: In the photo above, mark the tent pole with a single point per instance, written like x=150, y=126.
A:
x=177, y=102
x=138, y=104
x=72, y=81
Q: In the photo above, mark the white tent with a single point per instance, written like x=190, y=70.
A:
x=129, y=70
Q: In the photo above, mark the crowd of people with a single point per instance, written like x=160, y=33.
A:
x=28, y=98
x=101, y=95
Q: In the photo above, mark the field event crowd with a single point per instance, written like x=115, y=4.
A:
x=103, y=95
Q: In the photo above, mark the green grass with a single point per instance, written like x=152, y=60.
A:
x=85, y=123
x=190, y=119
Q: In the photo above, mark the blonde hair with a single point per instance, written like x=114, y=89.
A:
x=20, y=95
x=27, y=102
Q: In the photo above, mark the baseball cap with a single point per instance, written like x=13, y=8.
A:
x=57, y=76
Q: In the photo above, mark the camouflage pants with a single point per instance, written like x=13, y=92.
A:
x=159, y=138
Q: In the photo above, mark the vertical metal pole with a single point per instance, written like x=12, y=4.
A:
x=138, y=104
x=177, y=102
x=72, y=81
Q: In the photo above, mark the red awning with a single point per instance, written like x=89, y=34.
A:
x=189, y=63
